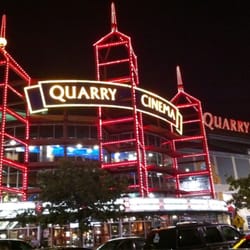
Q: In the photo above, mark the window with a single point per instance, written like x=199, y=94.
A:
x=71, y=131
x=230, y=233
x=58, y=131
x=46, y=131
x=189, y=237
x=243, y=167
x=82, y=132
x=110, y=245
x=225, y=168
x=213, y=235
x=125, y=245
x=34, y=132
x=167, y=239
x=93, y=132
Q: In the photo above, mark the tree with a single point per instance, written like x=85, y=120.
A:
x=77, y=192
x=241, y=196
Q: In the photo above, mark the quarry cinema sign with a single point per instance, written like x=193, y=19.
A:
x=82, y=93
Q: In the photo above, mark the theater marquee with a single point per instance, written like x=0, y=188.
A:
x=80, y=93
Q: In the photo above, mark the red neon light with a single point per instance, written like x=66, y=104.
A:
x=12, y=190
x=113, y=62
x=16, y=139
x=191, y=121
x=114, y=121
x=119, y=164
x=3, y=27
x=6, y=108
x=188, y=105
x=14, y=164
x=16, y=92
x=183, y=139
x=193, y=155
x=194, y=105
x=16, y=115
x=194, y=173
x=118, y=141
x=130, y=78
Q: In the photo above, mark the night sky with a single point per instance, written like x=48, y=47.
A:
x=209, y=40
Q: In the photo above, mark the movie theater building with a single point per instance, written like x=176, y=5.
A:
x=160, y=145
x=229, y=148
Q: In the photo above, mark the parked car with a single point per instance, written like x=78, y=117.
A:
x=14, y=244
x=123, y=243
x=193, y=236
x=66, y=248
x=242, y=243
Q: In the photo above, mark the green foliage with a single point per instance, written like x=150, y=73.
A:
x=241, y=188
x=78, y=191
x=28, y=217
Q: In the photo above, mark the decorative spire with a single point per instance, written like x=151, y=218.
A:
x=113, y=18
x=3, y=40
x=179, y=79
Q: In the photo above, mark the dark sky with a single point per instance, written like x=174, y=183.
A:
x=210, y=40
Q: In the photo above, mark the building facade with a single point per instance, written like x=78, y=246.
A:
x=164, y=147
x=161, y=145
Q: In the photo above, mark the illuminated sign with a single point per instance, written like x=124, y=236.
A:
x=171, y=204
x=78, y=93
x=217, y=122
x=10, y=210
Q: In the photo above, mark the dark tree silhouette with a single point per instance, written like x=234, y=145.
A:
x=241, y=194
x=77, y=192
